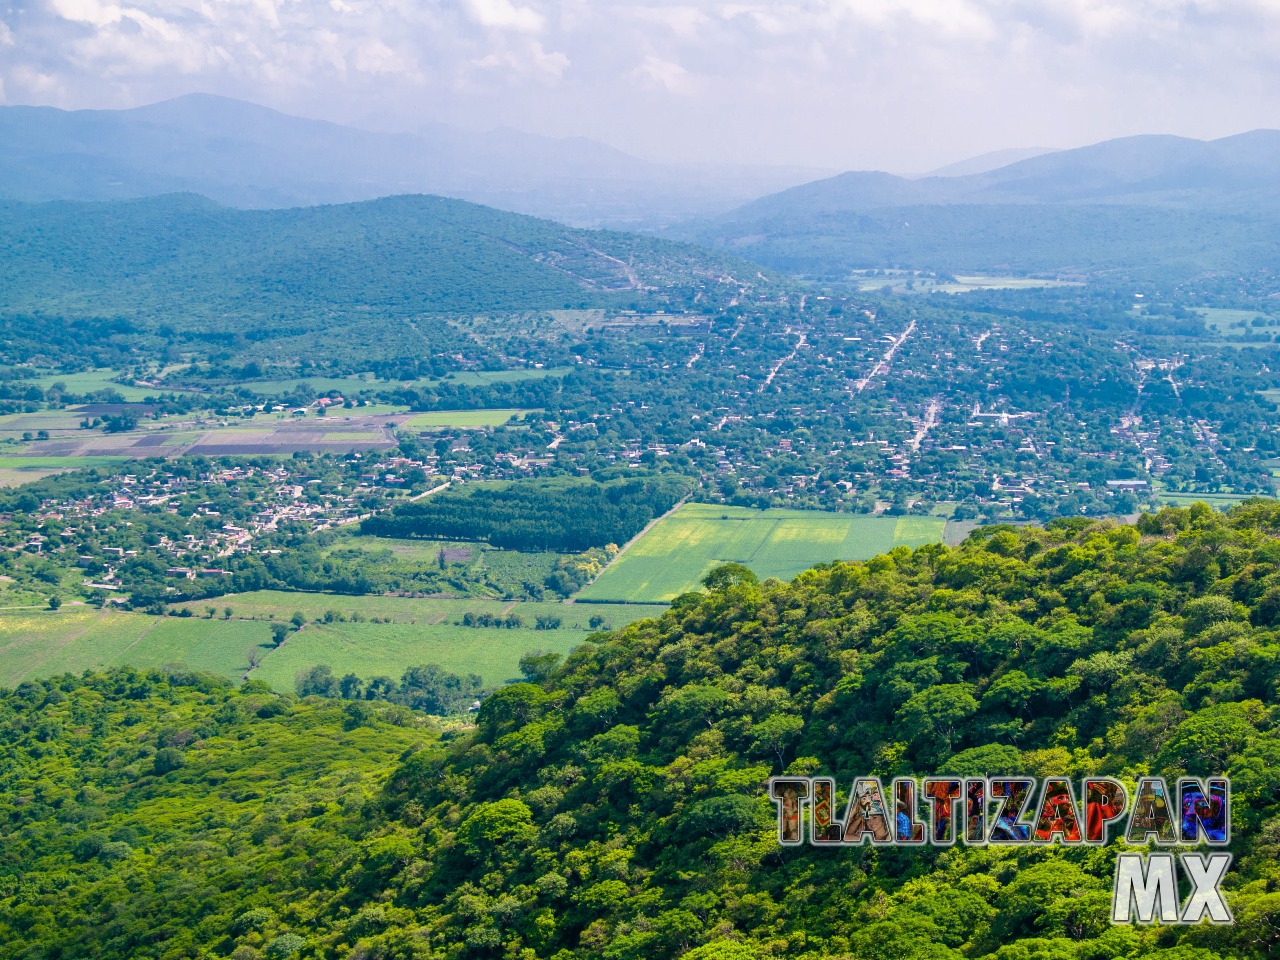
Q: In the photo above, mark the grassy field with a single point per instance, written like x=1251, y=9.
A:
x=673, y=556
x=1238, y=323
x=452, y=419
x=15, y=471
x=37, y=643
x=40, y=643
x=92, y=381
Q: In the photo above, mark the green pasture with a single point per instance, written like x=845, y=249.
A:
x=454, y=419
x=40, y=643
x=678, y=551
x=15, y=471
x=1238, y=323
x=92, y=381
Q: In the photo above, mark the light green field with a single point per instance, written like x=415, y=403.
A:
x=94, y=380
x=14, y=424
x=40, y=643
x=373, y=649
x=451, y=419
x=674, y=556
x=1238, y=323
x=15, y=471
x=35, y=643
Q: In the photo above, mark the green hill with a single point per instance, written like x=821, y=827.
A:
x=615, y=807
x=182, y=265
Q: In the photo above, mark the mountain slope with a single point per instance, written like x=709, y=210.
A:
x=1146, y=202
x=615, y=807
x=250, y=156
x=184, y=260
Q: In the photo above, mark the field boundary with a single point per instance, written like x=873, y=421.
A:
x=624, y=548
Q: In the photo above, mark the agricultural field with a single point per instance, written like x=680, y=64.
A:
x=17, y=470
x=262, y=436
x=414, y=631
x=454, y=419
x=674, y=555
x=93, y=381
x=1249, y=324
x=38, y=643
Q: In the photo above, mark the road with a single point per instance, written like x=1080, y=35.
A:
x=883, y=365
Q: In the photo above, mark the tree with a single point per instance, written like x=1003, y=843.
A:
x=319, y=681
x=167, y=760
x=279, y=632
x=55, y=602
x=729, y=575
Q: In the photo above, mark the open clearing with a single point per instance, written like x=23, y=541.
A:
x=452, y=419
x=674, y=556
x=40, y=643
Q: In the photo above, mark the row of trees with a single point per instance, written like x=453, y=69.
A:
x=565, y=515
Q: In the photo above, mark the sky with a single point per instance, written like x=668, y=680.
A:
x=899, y=85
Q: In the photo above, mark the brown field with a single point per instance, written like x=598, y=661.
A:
x=260, y=437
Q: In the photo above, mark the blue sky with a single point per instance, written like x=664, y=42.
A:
x=903, y=85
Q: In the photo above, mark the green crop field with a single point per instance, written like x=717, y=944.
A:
x=35, y=643
x=452, y=419
x=40, y=643
x=93, y=381
x=673, y=556
x=15, y=471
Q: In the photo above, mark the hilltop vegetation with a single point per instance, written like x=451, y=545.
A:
x=182, y=269
x=614, y=806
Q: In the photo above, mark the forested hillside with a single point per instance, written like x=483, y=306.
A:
x=614, y=806
x=187, y=265
x=1150, y=206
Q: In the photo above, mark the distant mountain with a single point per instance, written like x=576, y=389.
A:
x=379, y=272
x=1147, y=202
x=250, y=156
x=989, y=161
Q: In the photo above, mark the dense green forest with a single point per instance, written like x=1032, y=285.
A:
x=562, y=514
x=320, y=280
x=613, y=806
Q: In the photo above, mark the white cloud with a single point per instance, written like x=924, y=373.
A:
x=505, y=15
x=665, y=74
x=889, y=83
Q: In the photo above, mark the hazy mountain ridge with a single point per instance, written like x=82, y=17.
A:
x=246, y=155
x=1139, y=202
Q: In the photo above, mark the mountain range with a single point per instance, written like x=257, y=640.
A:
x=1144, y=204
x=246, y=155
x=1134, y=204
